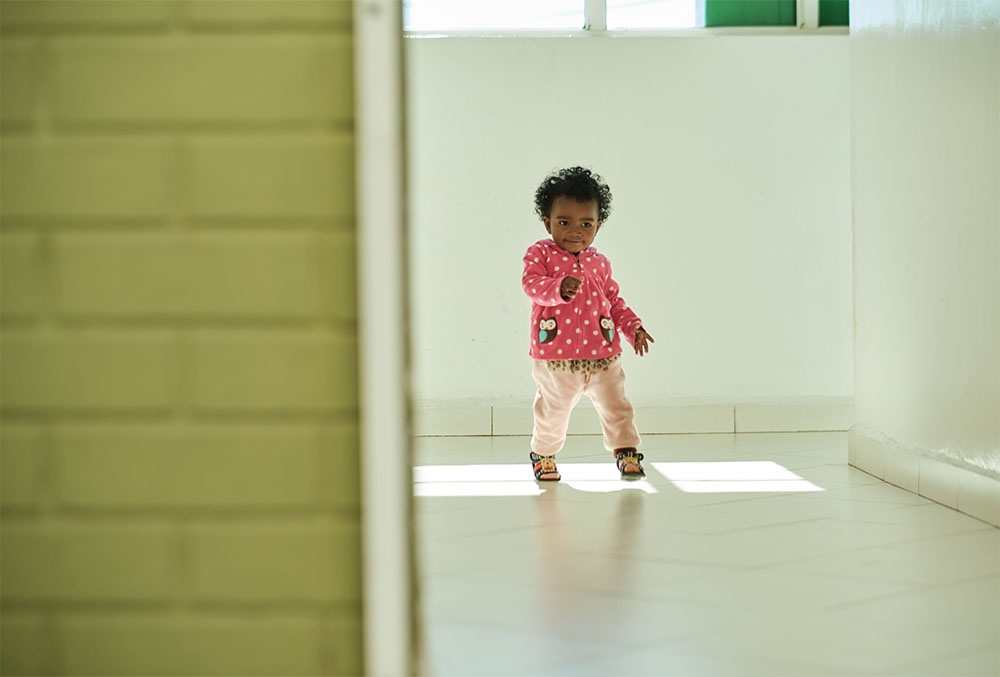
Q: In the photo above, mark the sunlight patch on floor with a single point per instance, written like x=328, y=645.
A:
x=478, y=488
x=516, y=479
x=733, y=477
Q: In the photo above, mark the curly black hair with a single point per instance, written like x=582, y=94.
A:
x=578, y=183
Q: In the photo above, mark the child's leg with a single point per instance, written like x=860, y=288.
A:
x=558, y=393
x=607, y=391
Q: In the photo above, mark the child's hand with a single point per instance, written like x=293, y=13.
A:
x=641, y=338
x=570, y=286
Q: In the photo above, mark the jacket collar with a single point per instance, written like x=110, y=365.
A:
x=549, y=243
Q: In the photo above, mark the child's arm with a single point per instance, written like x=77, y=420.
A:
x=625, y=319
x=541, y=288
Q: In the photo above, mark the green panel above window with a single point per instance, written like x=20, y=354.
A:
x=750, y=13
x=833, y=13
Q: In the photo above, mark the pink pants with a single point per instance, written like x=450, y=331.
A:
x=558, y=392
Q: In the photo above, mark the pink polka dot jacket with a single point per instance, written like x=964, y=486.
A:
x=586, y=326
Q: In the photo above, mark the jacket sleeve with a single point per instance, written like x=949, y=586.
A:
x=541, y=288
x=624, y=318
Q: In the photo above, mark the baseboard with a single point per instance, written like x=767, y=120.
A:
x=704, y=418
x=969, y=490
x=444, y=419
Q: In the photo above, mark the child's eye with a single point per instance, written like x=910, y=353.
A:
x=564, y=223
x=587, y=224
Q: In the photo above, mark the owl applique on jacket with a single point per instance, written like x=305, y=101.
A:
x=547, y=330
x=588, y=325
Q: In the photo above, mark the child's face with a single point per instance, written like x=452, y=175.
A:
x=572, y=224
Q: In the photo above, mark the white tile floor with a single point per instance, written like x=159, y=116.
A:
x=593, y=576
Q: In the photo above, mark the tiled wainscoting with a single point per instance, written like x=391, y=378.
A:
x=434, y=418
x=964, y=489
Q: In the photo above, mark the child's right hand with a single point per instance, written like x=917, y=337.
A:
x=570, y=286
x=642, y=340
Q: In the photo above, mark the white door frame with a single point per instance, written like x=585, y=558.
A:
x=386, y=486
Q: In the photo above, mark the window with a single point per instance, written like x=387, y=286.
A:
x=459, y=15
x=624, y=14
x=572, y=15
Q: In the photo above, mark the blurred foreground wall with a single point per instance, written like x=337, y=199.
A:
x=179, y=382
x=925, y=92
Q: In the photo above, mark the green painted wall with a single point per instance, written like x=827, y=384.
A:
x=179, y=459
x=834, y=13
x=770, y=12
x=749, y=13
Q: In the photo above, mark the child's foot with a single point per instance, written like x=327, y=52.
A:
x=545, y=468
x=629, y=463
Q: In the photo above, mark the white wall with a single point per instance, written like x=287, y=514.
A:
x=926, y=189
x=728, y=157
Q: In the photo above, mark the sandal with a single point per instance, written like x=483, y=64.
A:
x=629, y=463
x=545, y=467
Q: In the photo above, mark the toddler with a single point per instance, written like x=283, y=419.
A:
x=576, y=315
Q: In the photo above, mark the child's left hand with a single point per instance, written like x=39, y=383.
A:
x=641, y=338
